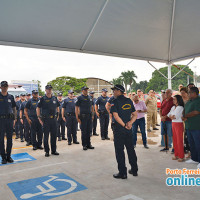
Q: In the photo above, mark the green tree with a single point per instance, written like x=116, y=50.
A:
x=41, y=93
x=158, y=82
x=117, y=81
x=142, y=85
x=65, y=83
x=128, y=79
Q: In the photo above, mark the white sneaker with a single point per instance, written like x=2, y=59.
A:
x=198, y=166
x=190, y=161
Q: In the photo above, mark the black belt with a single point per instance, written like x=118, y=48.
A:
x=8, y=116
x=85, y=114
x=48, y=116
x=70, y=114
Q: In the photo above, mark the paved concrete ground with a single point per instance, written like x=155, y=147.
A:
x=94, y=169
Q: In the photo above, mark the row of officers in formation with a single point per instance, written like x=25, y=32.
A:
x=38, y=118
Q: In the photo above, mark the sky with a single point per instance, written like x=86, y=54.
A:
x=18, y=63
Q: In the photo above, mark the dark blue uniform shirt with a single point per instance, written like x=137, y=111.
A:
x=60, y=108
x=124, y=107
x=23, y=106
x=18, y=106
x=48, y=105
x=85, y=104
x=7, y=103
x=101, y=101
x=31, y=105
x=69, y=105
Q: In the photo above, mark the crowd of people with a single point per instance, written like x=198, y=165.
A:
x=35, y=119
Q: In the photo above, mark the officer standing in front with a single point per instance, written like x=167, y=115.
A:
x=60, y=122
x=94, y=121
x=49, y=106
x=124, y=115
x=102, y=113
x=84, y=105
x=7, y=115
x=31, y=117
x=69, y=117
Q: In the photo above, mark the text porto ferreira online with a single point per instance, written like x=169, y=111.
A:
x=186, y=177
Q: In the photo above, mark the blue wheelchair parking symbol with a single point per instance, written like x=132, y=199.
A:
x=46, y=187
x=19, y=158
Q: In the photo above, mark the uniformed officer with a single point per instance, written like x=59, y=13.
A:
x=102, y=113
x=124, y=114
x=31, y=117
x=23, y=120
x=49, y=106
x=19, y=127
x=17, y=98
x=60, y=122
x=7, y=115
x=69, y=117
x=150, y=103
x=84, y=106
x=94, y=121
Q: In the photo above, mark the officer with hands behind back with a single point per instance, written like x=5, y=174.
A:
x=124, y=115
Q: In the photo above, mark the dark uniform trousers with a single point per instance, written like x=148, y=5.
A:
x=71, y=124
x=27, y=130
x=124, y=137
x=36, y=132
x=60, y=128
x=6, y=126
x=86, y=128
x=50, y=126
x=94, y=124
x=104, y=122
x=19, y=129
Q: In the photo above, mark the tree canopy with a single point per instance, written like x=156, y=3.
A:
x=158, y=82
x=65, y=83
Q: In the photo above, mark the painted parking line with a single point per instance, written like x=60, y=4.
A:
x=33, y=168
x=129, y=197
x=19, y=158
x=46, y=187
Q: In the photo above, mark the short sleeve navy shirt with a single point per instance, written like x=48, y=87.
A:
x=69, y=105
x=7, y=103
x=101, y=102
x=85, y=104
x=124, y=107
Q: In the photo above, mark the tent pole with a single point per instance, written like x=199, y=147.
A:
x=169, y=76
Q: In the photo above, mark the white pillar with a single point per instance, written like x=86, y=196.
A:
x=169, y=76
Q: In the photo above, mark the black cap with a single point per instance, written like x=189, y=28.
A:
x=35, y=92
x=59, y=94
x=28, y=94
x=84, y=88
x=104, y=90
x=48, y=87
x=70, y=91
x=4, y=83
x=92, y=92
x=22, y=94
x=16, y=96
x=118, y=87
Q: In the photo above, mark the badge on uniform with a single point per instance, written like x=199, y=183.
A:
x=9, y=100
x=54, y=102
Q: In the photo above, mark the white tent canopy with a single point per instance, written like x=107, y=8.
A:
x=154, y=30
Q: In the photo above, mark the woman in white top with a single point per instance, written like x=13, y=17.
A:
x=175, y=115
